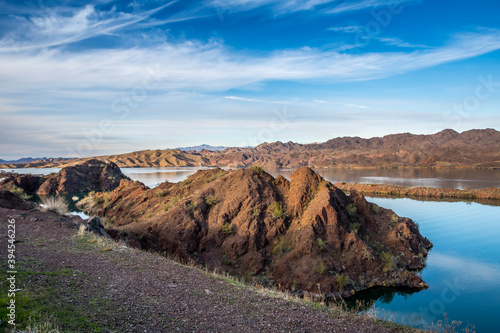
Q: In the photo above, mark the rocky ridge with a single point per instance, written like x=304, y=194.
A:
x=303, y=235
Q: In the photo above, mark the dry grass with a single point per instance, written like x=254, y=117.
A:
x=55, y=204
x=38, y=327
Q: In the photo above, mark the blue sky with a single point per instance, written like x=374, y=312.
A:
x=80, y=78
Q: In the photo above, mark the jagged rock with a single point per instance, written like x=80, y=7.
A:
x=91, y=175
x=12, y=201
x=94, y=224
x=305, y=234
x=28, y=183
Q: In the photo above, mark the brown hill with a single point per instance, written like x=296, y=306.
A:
x=303, y=235
x=474, y=148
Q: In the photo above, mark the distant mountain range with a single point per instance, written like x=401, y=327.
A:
x=22, y=160
x=202, y=147
x=448, y=148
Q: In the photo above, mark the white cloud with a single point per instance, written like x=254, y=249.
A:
x=347, y=29
x=354, y=5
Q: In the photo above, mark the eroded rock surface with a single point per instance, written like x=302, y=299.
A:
x=304, y=234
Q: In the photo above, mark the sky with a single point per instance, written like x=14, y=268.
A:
x=89, y=78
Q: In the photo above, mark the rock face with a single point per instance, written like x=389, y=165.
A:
x=27, y=183
x=95, y=225
x=304, y=234
x=12, y=201
x=91, y=175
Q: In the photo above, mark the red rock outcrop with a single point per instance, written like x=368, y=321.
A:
x=91, y=175
x=304, y=234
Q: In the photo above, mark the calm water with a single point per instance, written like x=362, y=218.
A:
x=463, y=268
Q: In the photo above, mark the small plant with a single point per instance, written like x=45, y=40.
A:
x=389, y=261
x=19, y=192
x=215, y=176
x=191, y=207
x=281, y=246
x=258, y=169
x=227, y=229
x=150, y=215
x=82, y=230
x=321, y=244
x=256, y=213
x=161, y=193
x=322, y=268
x=355, y=227
x=187, y=181
x=211, y=200
x=342, y=281
x=277, y=210
x=55, y=204
x=376, y=209
x=351, y=210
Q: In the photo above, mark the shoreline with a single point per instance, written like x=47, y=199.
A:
x=490, y=193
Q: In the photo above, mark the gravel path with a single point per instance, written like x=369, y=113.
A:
x=91, y=285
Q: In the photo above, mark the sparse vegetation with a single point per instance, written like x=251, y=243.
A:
x=342, y=281
x=19, y=192
x=211, y=200
x=281, y=246
x=355, y=227
x=376, y=208
x=321, y=244
x=214, y=176
x=322, y=268
x=351, y=210
x=191, y=207
x=389, y=261
x=227, y=229
x=277, y=210
x=257, y=169
x=256, y=213
x=54, y=204
x=161, y=193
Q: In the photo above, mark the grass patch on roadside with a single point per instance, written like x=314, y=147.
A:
x=48, y=301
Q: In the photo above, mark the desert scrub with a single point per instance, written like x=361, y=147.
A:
x=19, y=192
x=191, y=207
x=277, y=210
x=322, y=268
x=211, y=200
x=321, y=244
x=351, y=210
x=355, y=227
x=389, y=261
x=342, y=281
x=256, y=213
x=215, y=176
x=54, y=204
x=227, y=229
x=281, y=246
x=257, y=169
x=161, y=193
x=376, y=209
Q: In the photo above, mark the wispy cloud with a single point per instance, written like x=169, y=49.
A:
x=277, y=6
x=398, y=42
x=358, y=106
x=61, y=26
x=346, y=29
x=353, y=5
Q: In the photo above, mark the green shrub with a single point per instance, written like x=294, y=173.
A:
x=215, y=176
x=227, y=229
x=376, y=209
x=355, y=227
x=19, y=192
x=281, y=246
x=161, y=193
x=211, y=200
x=191, y=207
x=322, y=268
x=342, y=281
x=351, y=210
x=256, y=213
x=258, y=169
x=321, y=244
x=277, y=210
x=389, y=261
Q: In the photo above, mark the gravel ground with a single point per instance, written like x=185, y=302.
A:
x=90, y=285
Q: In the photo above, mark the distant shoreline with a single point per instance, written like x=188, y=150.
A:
x=491, y=193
